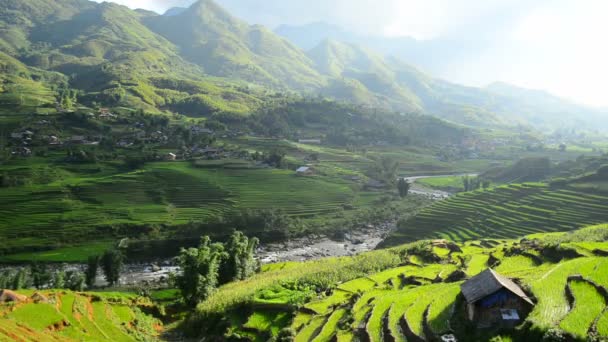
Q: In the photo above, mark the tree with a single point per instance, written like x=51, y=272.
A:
x=91, y=271
x=239, y=263
x=74, y=281
x=486, y=184
x=111, y=263
x=59, y=279
x=19, y=280
x=404, y=187
x=471, y=183
x=385, y=170
x=40, y=275
x=466, y=183
x=200, y=270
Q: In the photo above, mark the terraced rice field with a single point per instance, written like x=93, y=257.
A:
x=163, y=193
x=417, y=303
x=504, y=212
x=69, y=316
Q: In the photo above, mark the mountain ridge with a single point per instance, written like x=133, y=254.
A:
x=117, y=55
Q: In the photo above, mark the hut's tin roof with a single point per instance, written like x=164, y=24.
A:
x=488, y=282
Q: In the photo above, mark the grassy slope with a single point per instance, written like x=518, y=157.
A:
x=70, y=208
x=364, y=301
x=505, y=212
x=79, y=316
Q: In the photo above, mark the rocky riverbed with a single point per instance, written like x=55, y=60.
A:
x=304, y=249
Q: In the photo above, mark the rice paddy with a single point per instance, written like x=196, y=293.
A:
x=66, y=316
x=77, y=208
x=404, y=303
x=504, y=212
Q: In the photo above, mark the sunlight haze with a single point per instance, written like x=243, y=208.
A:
x=512, y=36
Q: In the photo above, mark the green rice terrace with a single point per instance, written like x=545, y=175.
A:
x=71, y=316
x=75, y=205
x=413, y=293
x=504, y=212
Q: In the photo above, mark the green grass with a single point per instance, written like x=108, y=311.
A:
x=588, y=305
x=80, y=206
x=330, y=328
x=67, y=254
x=441, y=309
x=504, y=212
x=79, y=316
x=39, y=316
x=311, y=330
x=448, y=183
x=602, y=324
x=270, y=322
x=552, y=305
x=364, y=300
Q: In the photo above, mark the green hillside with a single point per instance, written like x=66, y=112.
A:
x=225, y=46
x=203, y=61
x=505, y=212
x=70, y=316
x=80, y=206
x=367, y=68
x=412, y=292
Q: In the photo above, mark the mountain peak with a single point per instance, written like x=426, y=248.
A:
x=173, y=11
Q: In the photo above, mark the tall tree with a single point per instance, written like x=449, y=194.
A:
x=200, y=270
x=111, y=264
x=59, y=279
x=385, y=170
x=40, y=275
x=404, y=187
x=91, y=271
x=19, y=280
x=239, y=263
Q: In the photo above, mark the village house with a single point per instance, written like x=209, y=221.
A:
x=22, y=151
x=304, y=171
x=53, y=140
x=209, y=152
x=494, y=300
x=310, y=141
x=373, y=184
x=78, y=139
x=171, y=157
x=124, y=143
x=200, y=130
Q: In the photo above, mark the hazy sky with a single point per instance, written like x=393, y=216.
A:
x=556, y=45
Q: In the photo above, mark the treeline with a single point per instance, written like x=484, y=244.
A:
x=209, y=265
x=342, y=124
x=474, y=183
x=40, y=277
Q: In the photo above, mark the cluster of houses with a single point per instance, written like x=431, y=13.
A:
x=23, y=140
x=206, y=152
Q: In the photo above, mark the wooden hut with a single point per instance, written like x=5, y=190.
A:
x=493, y=299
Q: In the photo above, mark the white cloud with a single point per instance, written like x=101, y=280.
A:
x=159, y=6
